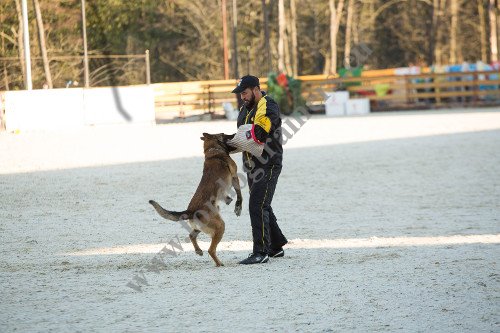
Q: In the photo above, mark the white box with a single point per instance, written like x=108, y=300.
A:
x=358, y=106
x=335, y=105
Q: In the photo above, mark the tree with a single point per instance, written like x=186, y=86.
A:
x=493, y=31
x=454, y=30
x=482, y=30
x=43, y=47
x=267, y=48
x=348, y=29
x=293, y=25
x=20, y=43
x=224, y=40
x=185, y=38
x=335, y=17
x=282, y=36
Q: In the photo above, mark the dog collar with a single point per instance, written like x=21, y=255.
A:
x=219, y=149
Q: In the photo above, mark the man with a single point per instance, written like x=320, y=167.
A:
x=262, y=172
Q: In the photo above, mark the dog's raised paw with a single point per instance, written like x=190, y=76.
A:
x=199, y=252
x=237, y=209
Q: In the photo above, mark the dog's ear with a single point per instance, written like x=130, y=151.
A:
x=228, y=137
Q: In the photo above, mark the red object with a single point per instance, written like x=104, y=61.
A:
x=282, y=80
x=254, y=137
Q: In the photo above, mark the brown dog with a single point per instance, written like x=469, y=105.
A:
x=219, y=175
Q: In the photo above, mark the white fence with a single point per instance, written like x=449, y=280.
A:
x=76, y=107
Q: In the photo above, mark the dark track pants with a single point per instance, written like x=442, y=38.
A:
x=265, y=230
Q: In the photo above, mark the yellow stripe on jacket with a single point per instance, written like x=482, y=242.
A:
x=261, y=119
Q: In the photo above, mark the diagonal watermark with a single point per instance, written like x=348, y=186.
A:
x=290, y=126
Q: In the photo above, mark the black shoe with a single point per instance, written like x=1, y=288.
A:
x=276, y=253
x=255, y=258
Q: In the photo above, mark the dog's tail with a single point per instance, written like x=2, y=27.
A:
x=174, y=216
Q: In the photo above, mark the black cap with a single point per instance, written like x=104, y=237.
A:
x=246, y=81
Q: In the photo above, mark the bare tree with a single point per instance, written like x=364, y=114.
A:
x=438, y=9
x=282, y=31
x=335, y=17
x=235, y=39
x=348, y=29
x=355, y=25
x=453, y=31
x=433, y=35
x=224, y=40
x=286, y=41
x=4, y=65
x=498, y=21
x=493, y=31
x=185, y=36
x=293, y=24
x=267, y=48
x=20, y=45
x=482, y=30
x=41, y=39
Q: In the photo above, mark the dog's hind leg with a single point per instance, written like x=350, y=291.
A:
x=216, y=238
x=192, y=236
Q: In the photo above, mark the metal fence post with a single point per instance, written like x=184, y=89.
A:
x=85, y=52
x=148, y=73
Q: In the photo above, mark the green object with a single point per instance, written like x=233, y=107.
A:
x=348, y=73
x=382, y=89
x=289, y=98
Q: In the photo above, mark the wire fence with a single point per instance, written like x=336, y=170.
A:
x=68, y=71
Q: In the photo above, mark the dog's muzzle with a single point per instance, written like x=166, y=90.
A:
x=244, y=140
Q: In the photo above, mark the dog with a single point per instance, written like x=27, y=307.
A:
x=219, y=176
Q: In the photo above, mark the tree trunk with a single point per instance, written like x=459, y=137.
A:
x=267, y=48
x=235, y=44
x=43, y=47
x=482, y=30
x=335, y=16
x=355, y=26
x=498, y=21
x=493, y=31
x=348, y=28
x=433, y=36
x=453, y=31
x=364, y=25
x=281, y=40
x=286, y=40
x=5, y=73
x=438, y=46
x=20, y=45
x=293, y=24
x=225, y=51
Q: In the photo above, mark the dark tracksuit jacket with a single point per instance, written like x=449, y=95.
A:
x=263, y=172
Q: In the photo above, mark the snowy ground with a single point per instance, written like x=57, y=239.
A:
x=393, y=220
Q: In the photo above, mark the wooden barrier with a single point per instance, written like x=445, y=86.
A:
x=383, y=88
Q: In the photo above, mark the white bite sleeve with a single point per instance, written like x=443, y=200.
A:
x=243, y=141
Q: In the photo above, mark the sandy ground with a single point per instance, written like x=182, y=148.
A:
x=393, y=222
